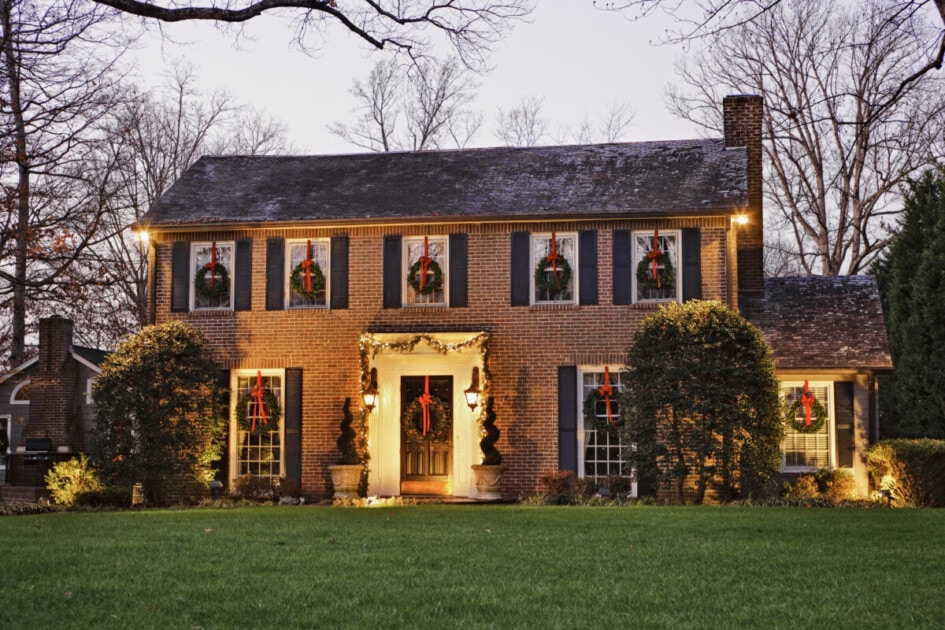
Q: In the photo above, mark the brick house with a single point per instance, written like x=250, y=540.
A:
x=479, y=223
x=46, y=408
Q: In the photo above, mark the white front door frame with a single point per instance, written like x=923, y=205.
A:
x=384, y=420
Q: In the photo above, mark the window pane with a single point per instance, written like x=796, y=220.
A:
x=319, y=258
x=603, y=451
x=806, y=450
x=437, y=251
x=203, y=255
x=259, y=454
x=663, y=285
x=559, y=292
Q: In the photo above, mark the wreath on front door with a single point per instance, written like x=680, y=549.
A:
x=272, y=408
x=441, y=421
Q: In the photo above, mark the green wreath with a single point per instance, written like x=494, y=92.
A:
x=442, y=425
x=297, y=282
x=667, y=279
x=592, y=420
x=273, y=413
x=432, y=284
x=221, y=285
x=817, y=412
x=543, y=282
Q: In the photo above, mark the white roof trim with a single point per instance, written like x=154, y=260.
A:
x=86, y=363
x=19, y=368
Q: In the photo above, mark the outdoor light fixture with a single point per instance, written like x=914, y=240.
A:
x=370, y=394
x=740, y=219
x=472, y=393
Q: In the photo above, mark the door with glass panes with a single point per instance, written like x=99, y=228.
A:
x=426, y=460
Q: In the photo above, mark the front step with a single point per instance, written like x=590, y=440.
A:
x=21, y=494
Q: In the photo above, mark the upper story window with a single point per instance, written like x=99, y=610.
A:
x=212, y=275
x=307, y=273
x=554, y=261
x=426, y=281
x=807, y=447
x=656, y=273
x=21, y=394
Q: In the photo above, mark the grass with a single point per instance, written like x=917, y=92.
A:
x=474, y=566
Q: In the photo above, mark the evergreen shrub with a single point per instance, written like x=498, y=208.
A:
x=913, y=471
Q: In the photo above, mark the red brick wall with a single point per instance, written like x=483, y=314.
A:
x=743, y=120
x=528, y=343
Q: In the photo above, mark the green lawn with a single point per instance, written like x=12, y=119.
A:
x=475, y=566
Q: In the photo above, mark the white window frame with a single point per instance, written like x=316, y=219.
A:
x=533, y=264
x=635, y=257
x=234, y=445
x=442, y=259
x=830, y=425
x=16, y=390
x=316, y=242
x=88, y=391
x=230, y=269
x=582, y=430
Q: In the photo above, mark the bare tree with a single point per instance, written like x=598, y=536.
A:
x=836, y=151
x=699, y=19
x=470, y=27
x=608, y=126
x=412, y=108
x=58, y=81
x=523, y=125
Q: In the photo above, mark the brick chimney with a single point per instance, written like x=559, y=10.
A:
x=54, y=413
x=742, y=122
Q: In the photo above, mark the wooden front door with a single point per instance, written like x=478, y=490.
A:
x=426, y=465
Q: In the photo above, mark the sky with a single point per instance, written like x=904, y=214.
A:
x=578, y=59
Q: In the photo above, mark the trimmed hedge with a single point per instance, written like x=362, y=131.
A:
x=912, y=470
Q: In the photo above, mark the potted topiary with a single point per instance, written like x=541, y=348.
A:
x=346, y=475
x=489, y=472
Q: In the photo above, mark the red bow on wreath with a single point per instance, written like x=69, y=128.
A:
x=654, y=256
x=425, y=401
x=212, y=265
x=257, y=394
x=607, y=391
x=807, y=399
x=553, y=257
x=425, y=261
x=307, y=266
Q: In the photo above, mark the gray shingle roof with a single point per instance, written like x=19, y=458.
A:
x=820, y=322
x=92, y=355
x=678, y=177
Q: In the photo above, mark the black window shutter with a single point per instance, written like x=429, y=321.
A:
x=458, y=275
x=692, y=264
x=392, y=272
x=521, y=285
x=621, y=263
x=587, y=267
x=275, y=274
x=567, y=418
x=339, y=272
x=293, y=424
x=843, y=404
x=221, y=467
x=180, y=277
x=243, y=276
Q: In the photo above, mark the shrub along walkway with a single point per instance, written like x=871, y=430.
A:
x=486, y=566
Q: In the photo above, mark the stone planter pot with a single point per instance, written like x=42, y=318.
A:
x=345, y=478
x=488, y=482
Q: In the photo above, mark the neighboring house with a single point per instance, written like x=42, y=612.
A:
x=46, y=408
x=480, y=223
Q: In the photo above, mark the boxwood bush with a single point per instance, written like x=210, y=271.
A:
x=913, y=471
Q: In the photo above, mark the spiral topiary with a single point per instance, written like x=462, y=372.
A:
x=491, y=455
x=349, y=453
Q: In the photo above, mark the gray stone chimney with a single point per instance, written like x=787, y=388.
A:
x=743, y=125
x=54, y=412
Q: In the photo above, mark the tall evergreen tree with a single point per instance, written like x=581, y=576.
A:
x=911, y=282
